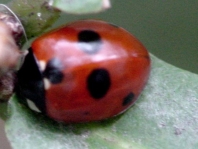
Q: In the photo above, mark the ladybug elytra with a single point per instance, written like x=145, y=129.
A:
x=84, y=71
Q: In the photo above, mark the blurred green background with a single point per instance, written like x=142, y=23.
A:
x=168, y=28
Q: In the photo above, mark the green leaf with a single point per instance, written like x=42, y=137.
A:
x=164, y=117
x=3, y=110
x=36, y=16
x=81, y=6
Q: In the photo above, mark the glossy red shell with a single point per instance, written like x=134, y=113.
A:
x=125, y=58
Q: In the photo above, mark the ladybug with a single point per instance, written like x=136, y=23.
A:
x=88, y=70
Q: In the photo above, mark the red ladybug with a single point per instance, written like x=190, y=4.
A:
x=85, y=71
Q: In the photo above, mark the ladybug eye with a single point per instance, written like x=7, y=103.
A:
x=89, y=41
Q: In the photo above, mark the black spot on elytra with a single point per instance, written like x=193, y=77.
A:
x=30, y=82
x=86, y=113
x=53, y=71
x=89, y=41
x=98, y=83
x=128, y=99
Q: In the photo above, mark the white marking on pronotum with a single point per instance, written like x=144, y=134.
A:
x=32, y=106
x=42, y=65
x=47, y=83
